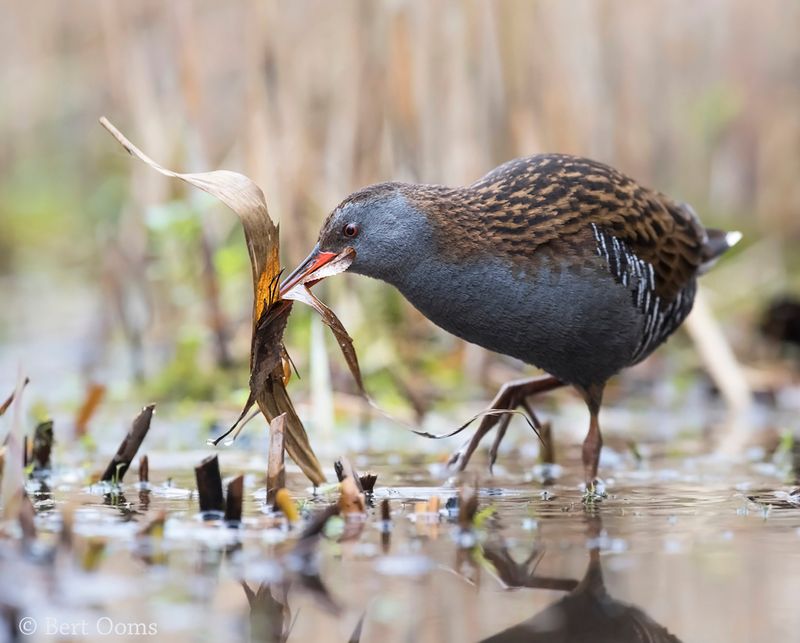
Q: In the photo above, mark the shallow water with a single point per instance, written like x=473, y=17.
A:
x=701, y=549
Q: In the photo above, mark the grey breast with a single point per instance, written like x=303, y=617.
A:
x=576, y=323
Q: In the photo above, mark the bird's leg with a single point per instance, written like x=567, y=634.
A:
x=505, y=420
x=591, y=451
x=594, y=440
x=509, y=397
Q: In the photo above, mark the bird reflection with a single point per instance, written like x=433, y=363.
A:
x=586, y=614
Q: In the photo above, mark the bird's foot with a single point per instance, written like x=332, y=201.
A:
x=511, y=395
x=594, y=491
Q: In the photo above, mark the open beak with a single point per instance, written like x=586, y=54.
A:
x=312, y=263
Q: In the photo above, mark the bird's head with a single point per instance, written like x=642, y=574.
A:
x=380, y=227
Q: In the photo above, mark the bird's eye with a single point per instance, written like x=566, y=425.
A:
x=350, y=230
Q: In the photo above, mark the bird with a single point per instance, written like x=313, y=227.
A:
x=562, y=262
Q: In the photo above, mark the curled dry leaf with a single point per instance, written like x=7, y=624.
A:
x=267, y=388
x=303, y=294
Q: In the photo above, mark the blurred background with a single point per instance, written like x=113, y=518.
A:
x=113, y=275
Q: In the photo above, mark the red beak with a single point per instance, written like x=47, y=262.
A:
x=312, y=262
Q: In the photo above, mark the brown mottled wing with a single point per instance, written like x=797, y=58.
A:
x=560, y=198
x=651, y=244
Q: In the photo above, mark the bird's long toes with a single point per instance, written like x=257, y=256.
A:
x=498, y=438
x=595, y=491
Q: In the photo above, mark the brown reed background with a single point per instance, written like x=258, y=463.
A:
x=314, y=99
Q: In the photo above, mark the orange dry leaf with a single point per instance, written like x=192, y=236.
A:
x=94, y=395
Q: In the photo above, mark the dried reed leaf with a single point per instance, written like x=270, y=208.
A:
x=246, y=199
x=126, y=452
x=234, y=499
x=303, y=294
x=267, y=388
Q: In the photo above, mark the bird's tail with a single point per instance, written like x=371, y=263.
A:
x=717, y=242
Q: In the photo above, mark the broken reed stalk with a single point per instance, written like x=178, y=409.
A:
x=547, y=453
x=144, y=469
x=365, y=483
x=233, y=499
x=209, y=485
x=386, y=525
x=42, y=447
x=276, y=470
x=368, y=481
x=121, y=461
